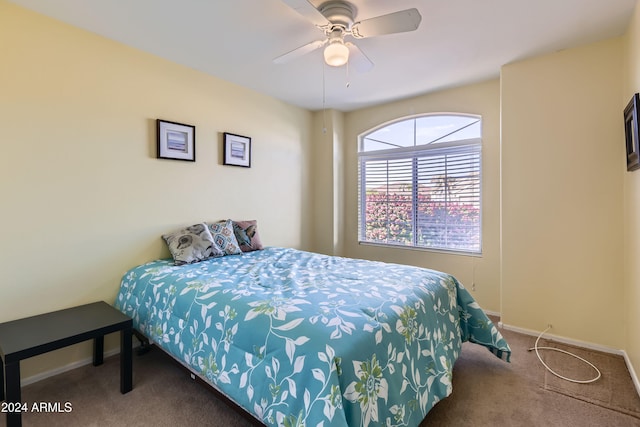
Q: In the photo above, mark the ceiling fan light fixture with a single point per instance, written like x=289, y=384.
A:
x=336, y=53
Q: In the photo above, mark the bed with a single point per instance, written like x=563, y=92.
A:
x=298, y=338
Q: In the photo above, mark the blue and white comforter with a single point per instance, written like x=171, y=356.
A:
x=297, y=338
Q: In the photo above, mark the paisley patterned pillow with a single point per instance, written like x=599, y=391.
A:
x=191, y=244
x=247, y=235
x=223, y=237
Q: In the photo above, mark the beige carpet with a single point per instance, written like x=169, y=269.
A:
x=486, y=392
x=613, y=390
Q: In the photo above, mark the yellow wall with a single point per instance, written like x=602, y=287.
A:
x=84, y=197
x=482, y=99
x=562, y=199
x=327, y=171
x=631, y=85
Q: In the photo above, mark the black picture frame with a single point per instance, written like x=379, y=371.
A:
x=176, y=141
x=631, y=133
x=236, y=150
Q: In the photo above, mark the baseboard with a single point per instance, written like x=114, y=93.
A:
x=43, y=375
x=632, y=372
x=583, y=344
x=564, y=340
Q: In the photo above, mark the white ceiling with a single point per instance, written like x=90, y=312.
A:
x=458, y=41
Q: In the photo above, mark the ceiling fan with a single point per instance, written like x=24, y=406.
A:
x=336, y=19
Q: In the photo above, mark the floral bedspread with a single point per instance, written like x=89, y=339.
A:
x=302, y=339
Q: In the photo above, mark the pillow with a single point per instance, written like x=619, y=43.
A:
x=191, y=244
x=223, y=237
x=247, y=235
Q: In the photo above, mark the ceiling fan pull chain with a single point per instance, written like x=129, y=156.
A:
x=348, y=78
x=324, y=125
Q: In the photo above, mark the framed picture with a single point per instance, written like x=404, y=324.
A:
x=237, y=150
x=631, y=133
x=176, y=141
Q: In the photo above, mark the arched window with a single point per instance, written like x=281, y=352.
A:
x=419, y=183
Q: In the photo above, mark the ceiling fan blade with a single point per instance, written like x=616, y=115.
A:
x=397, y=22
x=300, y=51
x=358, y=59
x=308, y=10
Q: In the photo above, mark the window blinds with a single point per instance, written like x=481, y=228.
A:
x=427, y=196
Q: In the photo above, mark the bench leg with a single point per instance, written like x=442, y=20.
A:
x=12, y=370
x=1, y=379
x=98, y=350
x=126, y=361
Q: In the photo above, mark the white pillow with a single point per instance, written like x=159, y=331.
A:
x=224, y=237
x=192, y=244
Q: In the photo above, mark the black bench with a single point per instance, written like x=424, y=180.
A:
x=23, y=338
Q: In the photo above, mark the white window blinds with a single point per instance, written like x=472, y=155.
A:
x=426, y=196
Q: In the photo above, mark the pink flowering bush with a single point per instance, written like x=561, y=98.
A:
x=450, y=224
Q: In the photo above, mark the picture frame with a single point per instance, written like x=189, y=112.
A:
x=631, y=133
x=236, y=150
x=176, y=141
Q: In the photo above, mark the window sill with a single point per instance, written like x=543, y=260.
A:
x=415, y=248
